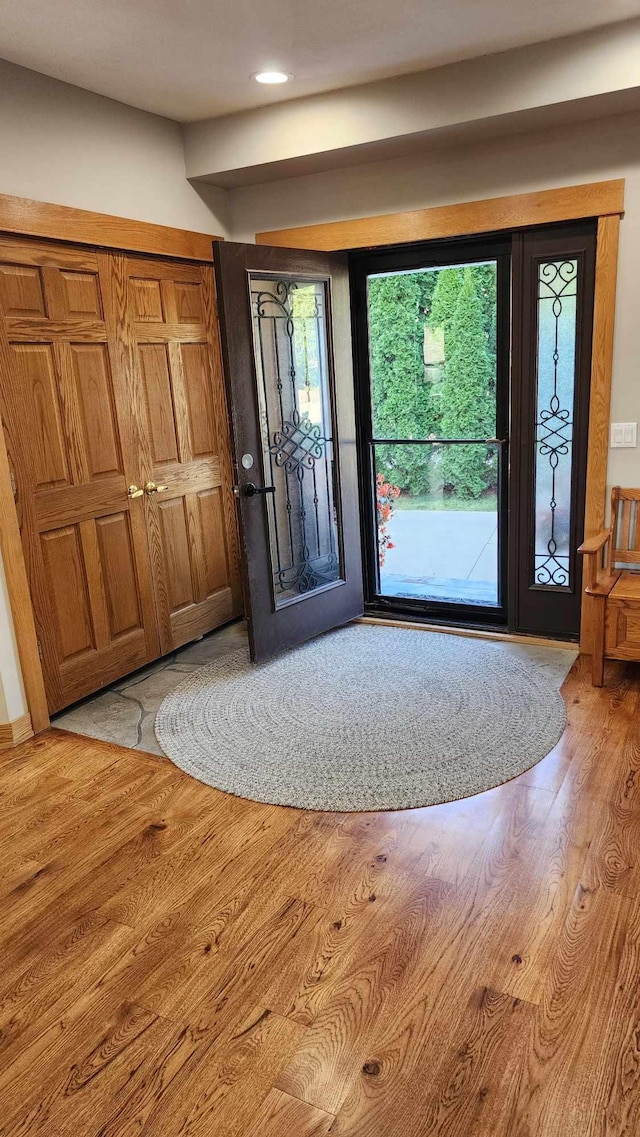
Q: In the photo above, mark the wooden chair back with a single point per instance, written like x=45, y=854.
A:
x=625, y=528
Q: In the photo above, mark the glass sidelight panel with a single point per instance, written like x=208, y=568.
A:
x=292, y=356
x=555, y=396
x=436, y=541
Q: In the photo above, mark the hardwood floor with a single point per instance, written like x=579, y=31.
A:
x=178, y=961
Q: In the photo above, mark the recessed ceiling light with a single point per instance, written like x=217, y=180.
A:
x=272, y=77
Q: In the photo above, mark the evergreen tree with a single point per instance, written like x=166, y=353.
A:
x=443, y=306
x=467, y=395
x=460, y=300
x=402, y=400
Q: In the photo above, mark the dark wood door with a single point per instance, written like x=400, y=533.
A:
x=285, y=320
x=553, y=272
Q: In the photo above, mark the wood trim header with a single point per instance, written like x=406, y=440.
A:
x=570, y=203
x=21, y=215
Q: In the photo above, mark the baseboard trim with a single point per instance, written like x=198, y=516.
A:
x=13, y=733
x=474, y=633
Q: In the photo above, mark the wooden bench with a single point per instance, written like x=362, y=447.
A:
x=613, y=578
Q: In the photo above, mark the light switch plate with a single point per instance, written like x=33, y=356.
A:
x=624, y=434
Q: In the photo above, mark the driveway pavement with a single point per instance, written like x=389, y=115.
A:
x=445, y=555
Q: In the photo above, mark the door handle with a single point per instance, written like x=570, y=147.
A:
x=495, y=441
x=250, y=490
x=152, y=488
x=133, y=491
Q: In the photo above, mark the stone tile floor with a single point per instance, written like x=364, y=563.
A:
x=125, y=712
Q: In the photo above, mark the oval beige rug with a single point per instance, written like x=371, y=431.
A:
x=368, y=718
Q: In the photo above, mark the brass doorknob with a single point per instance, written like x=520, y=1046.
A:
x=133, y=491
x=152, y=488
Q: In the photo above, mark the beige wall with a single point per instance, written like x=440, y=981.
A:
x=64, y=145
x=608, y=148
x=572, y=78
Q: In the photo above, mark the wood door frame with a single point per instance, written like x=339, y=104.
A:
x=36, y=219
x=601, y=200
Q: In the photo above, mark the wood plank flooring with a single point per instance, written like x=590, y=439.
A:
x=175, y=961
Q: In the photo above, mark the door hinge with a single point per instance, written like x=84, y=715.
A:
x=40, y=649
x=14, y=485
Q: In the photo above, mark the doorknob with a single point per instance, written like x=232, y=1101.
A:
x=152, y=488
x=133, y=491
x=250, y=490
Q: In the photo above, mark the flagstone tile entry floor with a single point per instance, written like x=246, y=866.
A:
x=125, y=712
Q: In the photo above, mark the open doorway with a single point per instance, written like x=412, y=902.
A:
x=473, y=361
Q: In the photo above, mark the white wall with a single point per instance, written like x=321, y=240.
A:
x=586, y=152
x=64, y=145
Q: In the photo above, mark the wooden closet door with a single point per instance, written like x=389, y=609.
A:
x=190, y=508
x=68, y=409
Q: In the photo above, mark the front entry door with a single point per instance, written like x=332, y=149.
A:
x=285, y=320
x=433, y=346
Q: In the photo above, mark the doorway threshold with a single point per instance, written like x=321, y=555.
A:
x=483, y=633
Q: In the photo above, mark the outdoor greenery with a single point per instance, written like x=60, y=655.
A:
x=450, y=312
x=442, y=503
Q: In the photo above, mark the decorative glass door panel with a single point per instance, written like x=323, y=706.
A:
x=289, y=319
x=286, y=334
x=554, y=274
x=555, y=393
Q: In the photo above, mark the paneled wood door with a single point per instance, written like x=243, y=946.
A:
x=73, y=446
x=95, y=383
x=187, y=476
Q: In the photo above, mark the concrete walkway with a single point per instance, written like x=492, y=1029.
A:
x=443, y=555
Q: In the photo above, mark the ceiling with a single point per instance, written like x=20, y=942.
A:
x=193, y=59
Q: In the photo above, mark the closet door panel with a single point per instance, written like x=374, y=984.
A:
x=193, y=547
x=68, y=421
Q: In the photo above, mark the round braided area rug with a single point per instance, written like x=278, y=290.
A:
x=367, y=718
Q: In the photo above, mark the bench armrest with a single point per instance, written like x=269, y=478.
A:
x=594, y=544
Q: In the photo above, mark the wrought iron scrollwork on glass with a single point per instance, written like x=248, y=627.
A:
x=290, y=342
x=556, y=359
x=298, y=443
